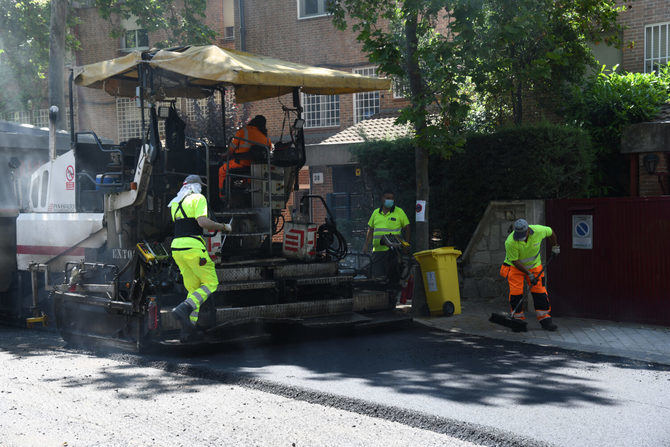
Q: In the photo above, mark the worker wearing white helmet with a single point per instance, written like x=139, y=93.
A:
x=189, y=213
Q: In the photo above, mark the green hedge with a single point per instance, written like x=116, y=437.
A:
x=605, y=105
x=527, y=162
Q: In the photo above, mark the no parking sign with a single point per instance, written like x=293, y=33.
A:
x=420, y=211
x=582, y=231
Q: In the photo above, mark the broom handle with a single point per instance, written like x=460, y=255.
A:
x=523, y=298
x=551, y=258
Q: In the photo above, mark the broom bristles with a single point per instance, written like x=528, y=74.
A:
x=507, y=321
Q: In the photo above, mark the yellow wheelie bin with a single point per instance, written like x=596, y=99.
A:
x=440, y=280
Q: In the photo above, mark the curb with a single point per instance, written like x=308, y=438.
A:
x=627, y=354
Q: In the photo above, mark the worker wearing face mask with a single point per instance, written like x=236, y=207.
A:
x=387, y=219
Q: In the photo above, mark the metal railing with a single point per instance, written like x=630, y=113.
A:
x=230, y=176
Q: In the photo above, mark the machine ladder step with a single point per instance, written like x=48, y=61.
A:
x=245, y=285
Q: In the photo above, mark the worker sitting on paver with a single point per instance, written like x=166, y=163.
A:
x=387, y=219
x=237, y=158
x=523, y=263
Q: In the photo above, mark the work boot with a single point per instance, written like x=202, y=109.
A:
x=182, y=313
x=548, y=325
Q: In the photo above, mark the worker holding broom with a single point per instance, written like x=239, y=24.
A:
x=523, y=263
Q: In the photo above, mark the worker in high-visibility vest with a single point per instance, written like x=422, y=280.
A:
x=387, y=219
x=254, y=133
x=523, y=264
x=189, y=251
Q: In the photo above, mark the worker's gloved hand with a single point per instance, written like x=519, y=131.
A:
x=556, y=250
x=227, y=228
x=532, y=278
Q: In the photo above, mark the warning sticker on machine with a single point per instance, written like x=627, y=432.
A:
x=431, y=281
x=69, y=176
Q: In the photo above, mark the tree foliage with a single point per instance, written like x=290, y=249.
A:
x=539, y=161
x=437, y=104
x=524, y=48
x=496, y=51
x=414, y=41
x=522, y=162
x=181, y=21
x=24, y=52
x=605, y=105
x=24, y=39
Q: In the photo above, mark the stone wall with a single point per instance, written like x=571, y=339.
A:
x=481, y=260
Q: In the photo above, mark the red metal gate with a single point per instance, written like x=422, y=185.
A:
x=625, y=276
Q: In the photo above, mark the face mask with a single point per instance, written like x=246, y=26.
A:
x=388, y=203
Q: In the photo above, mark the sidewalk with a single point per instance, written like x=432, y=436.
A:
x=629, y=340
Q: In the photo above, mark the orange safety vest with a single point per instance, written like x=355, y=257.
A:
x=239, y=146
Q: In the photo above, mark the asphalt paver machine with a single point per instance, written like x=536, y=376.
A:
x=98, y=231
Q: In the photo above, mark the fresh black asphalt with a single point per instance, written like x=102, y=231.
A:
x=482, y=390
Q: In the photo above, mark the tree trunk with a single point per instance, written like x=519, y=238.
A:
x=421, y=234
x=57, y=59
x=420, y=151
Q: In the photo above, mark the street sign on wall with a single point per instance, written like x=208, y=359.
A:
x=582, y=231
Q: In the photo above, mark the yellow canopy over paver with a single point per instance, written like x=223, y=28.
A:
x=183, y=73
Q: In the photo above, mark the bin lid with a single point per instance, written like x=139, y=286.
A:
x=442, y=251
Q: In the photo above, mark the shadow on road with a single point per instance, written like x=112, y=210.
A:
x=421, y=362
x=128, y=380
x=416, y=361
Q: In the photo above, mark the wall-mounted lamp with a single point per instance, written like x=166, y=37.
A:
x=650, y=161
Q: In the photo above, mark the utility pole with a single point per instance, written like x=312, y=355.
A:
x=57, y=59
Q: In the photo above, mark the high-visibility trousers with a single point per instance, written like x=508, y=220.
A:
x=223, y=171
x=199, y=274
x=516, y=279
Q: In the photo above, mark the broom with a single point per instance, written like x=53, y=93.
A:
x=508, y=320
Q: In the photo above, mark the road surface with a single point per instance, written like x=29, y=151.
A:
x=413, y=387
